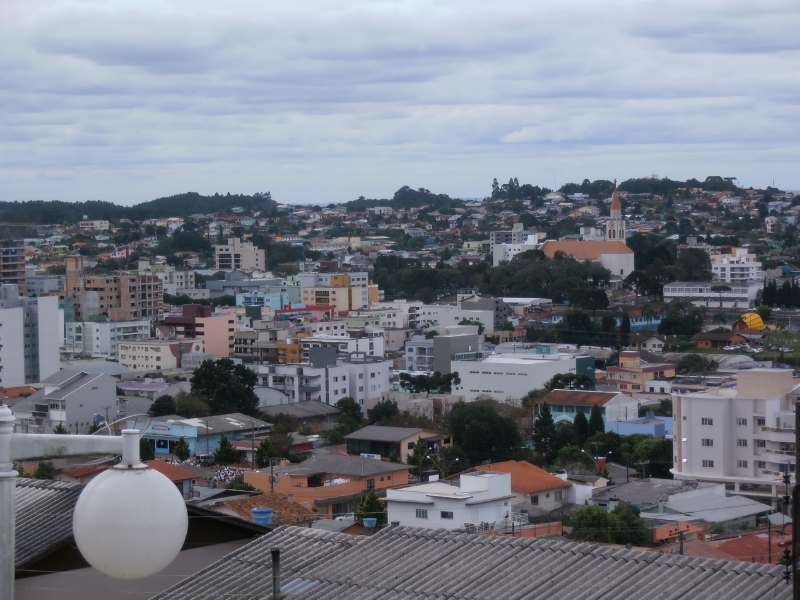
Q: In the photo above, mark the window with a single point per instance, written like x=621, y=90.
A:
x=422, y=513
x=370, y=484
x=741, y=422
x=706, y=421
x=534, y=500
x=742, y=464
x=707, y=442
x=761, y=443
x=741, y=443
x=708, y=464
x=446, y=514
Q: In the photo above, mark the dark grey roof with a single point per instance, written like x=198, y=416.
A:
x=380, y=433
x=217, y=424
x=404, y=563
x=343, y=464
x=44, y=516
x=301, y=410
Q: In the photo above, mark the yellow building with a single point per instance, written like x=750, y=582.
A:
x=632, y=374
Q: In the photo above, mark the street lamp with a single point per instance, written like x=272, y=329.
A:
x=129, y=522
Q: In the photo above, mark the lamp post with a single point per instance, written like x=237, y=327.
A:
x=142, y=507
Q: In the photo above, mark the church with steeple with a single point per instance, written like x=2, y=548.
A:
x=615, y=226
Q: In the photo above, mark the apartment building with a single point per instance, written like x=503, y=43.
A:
x=12, y=263
x=433, y=316
x=100, y=339
x=509, y=377
x=742, y=435
x=156, y=355
x=344, y=291
x=370, y=344
x=516, y=235
x=216, y=329
x=120, y=296
x=236, y=255
x=94, y=225
x=173, y=281
x=506, y=252
x=736, y=266
x=31, y=333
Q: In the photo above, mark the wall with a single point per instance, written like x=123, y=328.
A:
x=12, y=359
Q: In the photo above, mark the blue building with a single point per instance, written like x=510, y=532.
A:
x=274, y=298
x=202, y=434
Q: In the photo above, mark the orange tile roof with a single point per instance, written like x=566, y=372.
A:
x=584, y=249
x=20, y=391
x=172, y=472
x=578, y=397
x=526, y=478
x=285, y=511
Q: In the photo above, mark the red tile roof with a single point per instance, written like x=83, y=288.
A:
x=578, y=398
x=172, y=472
x=526, y=478
x=584, y=249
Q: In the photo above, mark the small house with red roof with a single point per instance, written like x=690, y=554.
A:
x=614, y=406
x=535, y=490
x=182, y=477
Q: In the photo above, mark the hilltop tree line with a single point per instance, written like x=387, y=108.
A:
x=180, y=205
x=786, y=295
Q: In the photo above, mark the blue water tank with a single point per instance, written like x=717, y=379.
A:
x=370, y=522
x=262, y=516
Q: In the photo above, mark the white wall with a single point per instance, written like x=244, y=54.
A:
x=620, y=265
x=12, y=357
x=50, y=335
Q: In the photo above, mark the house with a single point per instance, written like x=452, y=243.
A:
x=314, y=416
x=717, y=340
x=614, y=406
x=404, y=562
x=395, y=442
x=535, y=490
x=73, y=399
x=632, y=374
x=480, y=500
x=614, y=255
x=182, y=477
x=331, y=484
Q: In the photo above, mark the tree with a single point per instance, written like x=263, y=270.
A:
x=577, y=328
x=348, y=420
x=581, y=426
x=371, y=507
x=625, y=331
x=544, y=435
x=420, y=458
x=181, y=449
x=482, y=432
x=573, y=457
x=60, y=429
x=45, y=470
x=695, y=364
x=226, y=454
x=383, y=411
x=570, y=381
x=190, y=406
x=146, y=451
x=619, y=526
x=692, y=264
x=225, y=386
x=596, y=424
x=162, y=406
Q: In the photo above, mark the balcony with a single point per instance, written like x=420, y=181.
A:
x=776, y=434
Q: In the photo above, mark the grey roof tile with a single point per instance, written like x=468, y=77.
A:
x=407, y=564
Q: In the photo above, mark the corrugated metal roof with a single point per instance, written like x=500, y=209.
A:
x=405, y=563
x=44, y=516
x=381, y=433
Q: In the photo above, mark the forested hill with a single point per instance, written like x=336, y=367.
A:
x=180, y=205
x=406, y=197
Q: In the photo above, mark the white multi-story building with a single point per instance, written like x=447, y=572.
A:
x=173, y=281
x=714, y=294
x=31, y=335
x=236, y=255
x=509, y=377
x=94, y=225
x=431, y=316
x=156, y=355
x=739, y=266
x=100, y=339
x=742, y=436
x=506, y=252
x=371, y=345
x=480, y=500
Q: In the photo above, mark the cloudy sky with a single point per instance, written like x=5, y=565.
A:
x=322, y=101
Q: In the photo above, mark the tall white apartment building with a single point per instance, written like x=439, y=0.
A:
x=506, y=252
x=236, y=255
x=31, y=335
x=173, y=281
x=738, y=266
x=741, y=436
x=101, y=339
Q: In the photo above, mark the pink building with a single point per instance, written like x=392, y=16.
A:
x=217, y=331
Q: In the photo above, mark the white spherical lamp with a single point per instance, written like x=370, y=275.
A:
x=130, y=521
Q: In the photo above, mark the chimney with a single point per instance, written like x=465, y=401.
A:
x=276, y=573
